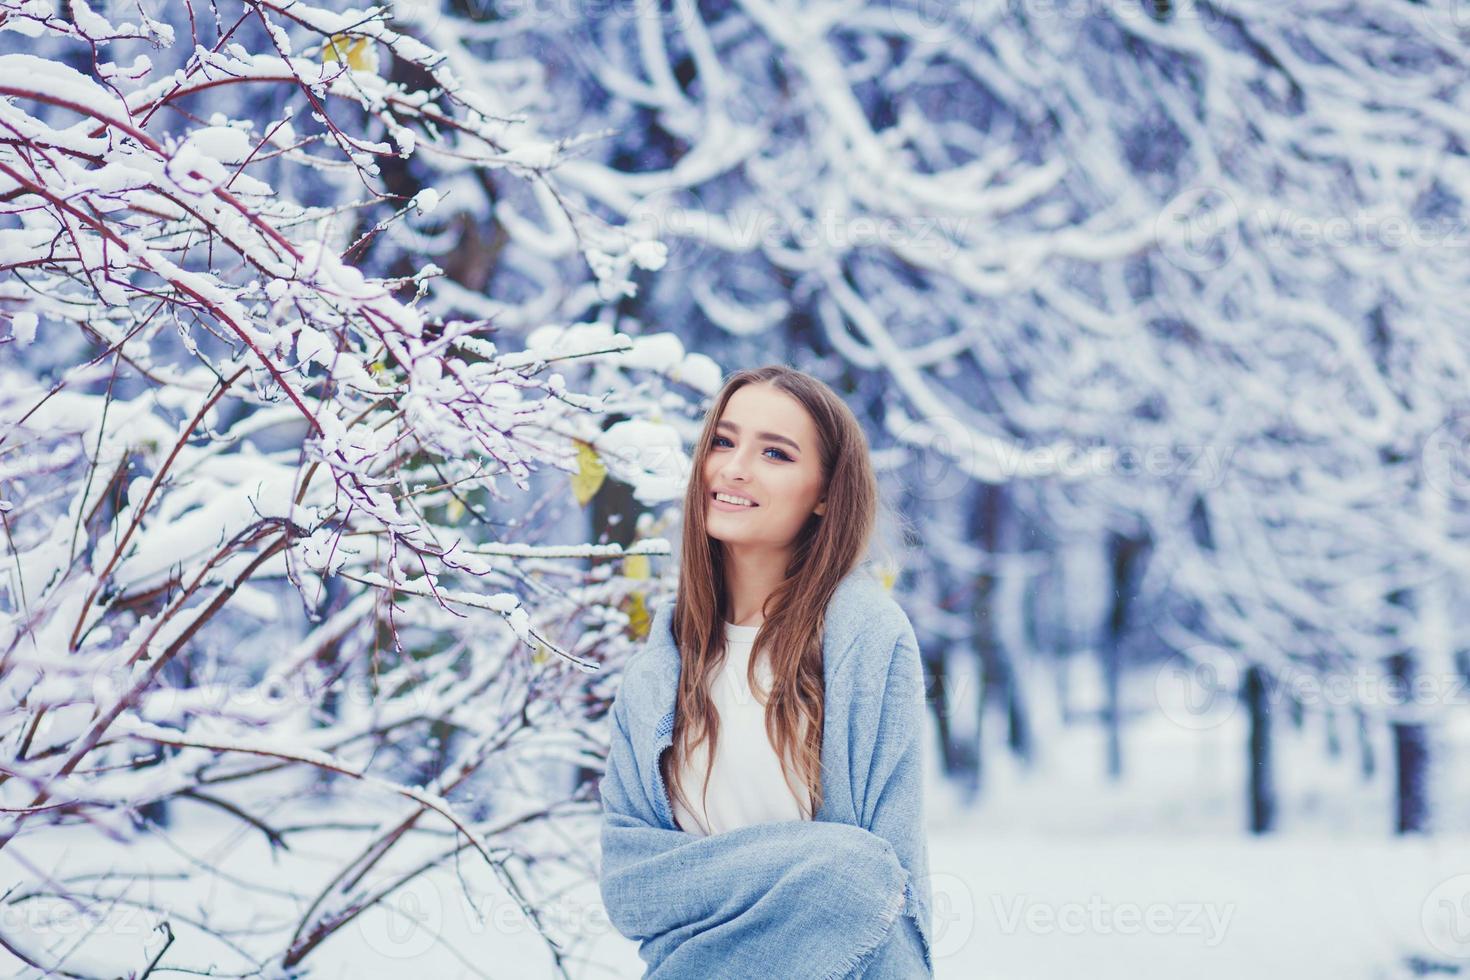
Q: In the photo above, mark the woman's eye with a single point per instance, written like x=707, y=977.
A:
x=770, y=449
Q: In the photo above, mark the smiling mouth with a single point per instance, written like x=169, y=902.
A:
x=749, y=505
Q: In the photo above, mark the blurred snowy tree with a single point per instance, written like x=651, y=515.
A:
x=1185, y=269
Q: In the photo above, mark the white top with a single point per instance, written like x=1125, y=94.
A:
x=746, y=784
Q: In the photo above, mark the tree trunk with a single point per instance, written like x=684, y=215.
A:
x=985, y=531
x=1261, y=777
x=1365, y=746
x=1127, y=562
x=1411, y=761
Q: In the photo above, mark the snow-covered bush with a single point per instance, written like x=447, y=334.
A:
x=269, y=526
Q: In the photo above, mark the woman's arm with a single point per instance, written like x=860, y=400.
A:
x=892, y=806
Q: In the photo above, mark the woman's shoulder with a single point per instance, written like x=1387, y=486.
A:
x=861, y=600
x=651, y=671
x=863, y=617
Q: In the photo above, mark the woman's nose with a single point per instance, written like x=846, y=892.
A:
x=736, y=468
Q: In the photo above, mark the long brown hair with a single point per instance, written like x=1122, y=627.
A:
x=826, y=549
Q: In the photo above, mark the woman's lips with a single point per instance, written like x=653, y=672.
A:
x=719, y=504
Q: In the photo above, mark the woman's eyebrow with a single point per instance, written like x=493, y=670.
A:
x=759, y=435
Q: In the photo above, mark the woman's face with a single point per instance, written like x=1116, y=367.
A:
x=764, y=450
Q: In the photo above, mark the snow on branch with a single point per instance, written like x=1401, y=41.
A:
x=268, y=512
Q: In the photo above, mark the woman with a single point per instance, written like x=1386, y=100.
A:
x=799, y=851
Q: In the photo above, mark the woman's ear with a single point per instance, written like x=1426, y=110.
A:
x=821, y=507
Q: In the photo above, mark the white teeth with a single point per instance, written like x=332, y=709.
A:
x=733, y=500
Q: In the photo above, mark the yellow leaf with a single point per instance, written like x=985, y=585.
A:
x=589, y=475
x=359, y=52
x=541, y=655
x=639, y=620
x=888, y=577
x=456, y=509
x=635, y=566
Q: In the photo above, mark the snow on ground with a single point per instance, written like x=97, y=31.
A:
x=1055, y=872
x=1018, y=906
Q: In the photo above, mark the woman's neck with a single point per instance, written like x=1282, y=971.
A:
x=750, y=578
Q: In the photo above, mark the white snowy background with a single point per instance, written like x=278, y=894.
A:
x=349, y=360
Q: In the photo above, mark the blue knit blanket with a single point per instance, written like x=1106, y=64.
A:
x=841, y=897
